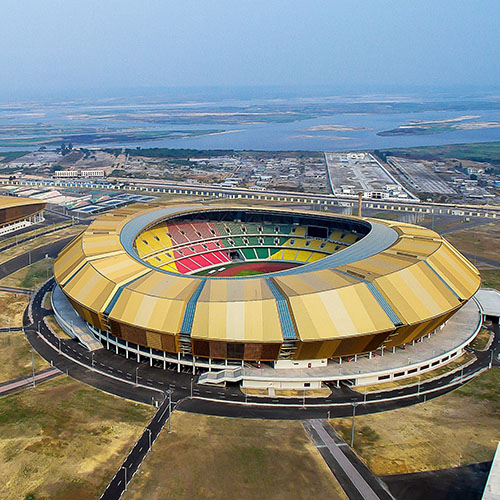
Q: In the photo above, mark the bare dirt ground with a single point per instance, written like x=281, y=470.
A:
x=14, y=348
x=225, y=458
x=481, y=241
x=456, y=429
x=64, y=440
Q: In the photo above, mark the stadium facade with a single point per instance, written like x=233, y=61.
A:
x=211, y=285
x=18, y=213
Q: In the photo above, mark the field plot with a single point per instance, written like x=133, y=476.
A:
x=419, y=177
x=64, y=440
x=481, y=241
x=224, y=458
x=455, y=429
x=14, y=348
x=30, y=276
x=491, y=278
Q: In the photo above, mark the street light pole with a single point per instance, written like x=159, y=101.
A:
x=33, y=366
x=137, y=375
x=354, y=404
x=191, y=387
x=125, y=469
x=149, y=430
x=169, y=392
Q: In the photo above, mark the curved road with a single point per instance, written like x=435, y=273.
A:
x=114, y=374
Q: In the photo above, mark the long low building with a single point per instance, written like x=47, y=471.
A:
x=213, y=282
x=17, y=212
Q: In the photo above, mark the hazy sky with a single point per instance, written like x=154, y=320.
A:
x=49, y=45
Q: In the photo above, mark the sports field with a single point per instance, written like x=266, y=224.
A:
x=249, y=268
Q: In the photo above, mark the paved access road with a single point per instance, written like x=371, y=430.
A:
x=129, y=467
x=12, y=289
x=354, y=477
x=50, y=250
x=27, y=381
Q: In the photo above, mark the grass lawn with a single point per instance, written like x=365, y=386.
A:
x=54, y=326
x=481, y=241
x=458, y=428
x=223, y=458
x=14, y=348
x=482, y=339
x=30, y=276
x=247, y=272
x=7, y=240
x=490, y=278
x=64, y=440
x=40, y=241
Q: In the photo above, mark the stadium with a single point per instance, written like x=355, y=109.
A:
x=18, y=213
x=217, y=288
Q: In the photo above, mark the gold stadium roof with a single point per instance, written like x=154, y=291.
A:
x=396, y=277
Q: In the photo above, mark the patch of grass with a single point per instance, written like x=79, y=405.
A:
x=477, y=151
x=40, y=241
x=227, y=458
x=484, y=388
x=490, y=278
x=31, y=276
x=6, y=156
x=38, y=273
x=29, y=234
x=480, y=241
x=387, y=215
x=14, y=348
x=247, y=272
x=482, y=339
x=424, y=436
x=64, y=440
x=54, y=326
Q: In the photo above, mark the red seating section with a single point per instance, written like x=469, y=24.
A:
x=197, y=255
